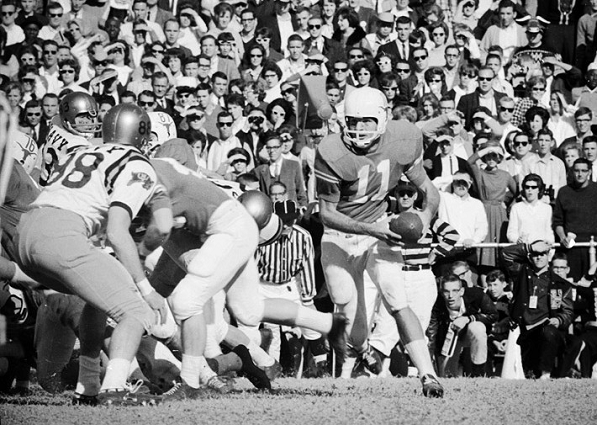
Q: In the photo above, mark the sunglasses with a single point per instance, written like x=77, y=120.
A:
x=437, y=34
x=256, y=120
x=460, y=183
x=314, y=27
x=408, y=193
x=520, y=143
x=225, y=124
x=436, y=81
x=100, y=63
x=34, y=114
x=288, y=91
x=67, y=71
x=141, y=103
x=504, y=109
x=538, y=89
x=394, y=88
x=50, y=52
x=420, y=58
x=356, y=56
x=403, y=70
x=526, y=186
x=195, y=117
x=140, y=32
x=340, y=69
x=56, y=15
x=468, y=74
x=29, y=80
x=485, y=78
x=157, y=51
x=256, y=56
x=7, y=13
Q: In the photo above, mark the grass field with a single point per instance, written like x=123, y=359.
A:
x=328, y=401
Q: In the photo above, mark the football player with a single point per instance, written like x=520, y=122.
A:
x=96, y=190
x=74, y=127
x=355, y=172
x=215, y=251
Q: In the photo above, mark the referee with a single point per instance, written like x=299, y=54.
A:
x=286, y=270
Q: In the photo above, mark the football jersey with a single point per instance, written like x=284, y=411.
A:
x=93, y=179
x=59, y=145
x=359, y=182
x=193, y=196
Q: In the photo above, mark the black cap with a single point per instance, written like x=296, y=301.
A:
x=32, y=20
x=406, y=185
x=287, y=212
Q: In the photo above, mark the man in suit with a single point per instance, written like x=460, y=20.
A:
x=159, y=83
x=280, y=169
x=446, y=163
x=49, y=109
x=157, y=14
x=283, y=23
x=413, y=87
x=331, y=49
x=400, y=47
x=483, y=96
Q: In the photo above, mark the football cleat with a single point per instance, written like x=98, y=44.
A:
x=180, y=391
x=257, y=376
x=218, y=385
x=124, y=397
x=372, y=360
x=432, y=387
x=85, y=400
x=337, y=335
x=274, y=371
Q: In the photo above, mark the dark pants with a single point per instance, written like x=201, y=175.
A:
x=562, y=38
x=578, y=261
x=539, y=348
x=587, y=355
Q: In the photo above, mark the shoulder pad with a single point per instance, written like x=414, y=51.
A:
x=332, y=148
x=404, y=138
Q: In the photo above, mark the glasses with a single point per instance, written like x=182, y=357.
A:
x=356, y=56
x=257, y=56
x=468, y=74
x=526, y=186
x=150, y=104
x=460, y=183
x=340, y=69
x=225, y=124
x=437, y=34
x=67, y=71
x=195, y=117
x=273, y=148
x=34, y=114
x=403, y=70
x=485, y=78
x=50, y=52
x=288, y=91
x=393, y=88
x=56, y=15
x=407, y=193
x=420, y=58
x=156, y=51
x=28, y=80
x=256, y=120
x=7, y=13
x=184, y=95
x=314, y=27
x=520, y=143
x=538, y=89
x=461, y=274
x=436, y=81
x=504, y=109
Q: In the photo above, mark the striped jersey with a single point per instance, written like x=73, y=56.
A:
x=58, y=145
x=439, y=231
x=92, y=180
x=289, y=256
x=359, y=182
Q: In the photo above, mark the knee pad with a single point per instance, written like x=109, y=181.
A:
x=187, y=299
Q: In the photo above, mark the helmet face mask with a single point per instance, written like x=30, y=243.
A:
x=366, y=117
x=79, y=114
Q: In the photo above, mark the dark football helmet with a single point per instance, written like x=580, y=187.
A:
x=79, y=114
x=260, y=207
x=126, y=124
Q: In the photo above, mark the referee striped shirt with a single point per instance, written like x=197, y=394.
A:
x=439, y=231
x=291, y=256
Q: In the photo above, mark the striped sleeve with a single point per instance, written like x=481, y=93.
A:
x=328, y=183
x=307, y=274
x=447, y=236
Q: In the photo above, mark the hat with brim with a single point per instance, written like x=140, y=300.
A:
x=463, y=177
x=386, y=17
x=121, y=4
x=287, y=211
x=99, y=54
x=141, y=27
x=406, y=185
x=238, y=157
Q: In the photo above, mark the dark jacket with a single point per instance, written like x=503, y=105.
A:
x=479, y=308
x=515, y=261
x=469, y=102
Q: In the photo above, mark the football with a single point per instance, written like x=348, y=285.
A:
x=409, y=226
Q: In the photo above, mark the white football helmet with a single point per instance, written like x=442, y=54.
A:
x=365, y=102
x=162, y=130
x=24, y=150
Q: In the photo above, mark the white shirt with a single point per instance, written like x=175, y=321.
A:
x=449, y=165
x=530, y=222
x=218, y=152
x=467, y=215
x=286, y=30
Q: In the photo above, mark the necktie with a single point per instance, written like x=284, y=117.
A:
x=404, y=50
x=277, y=170
x=33, y=134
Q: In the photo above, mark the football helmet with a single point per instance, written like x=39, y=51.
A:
x=260, y=207
x=24, y=150
x=127, y=124
x=365, y=102
x=162, y=130
x=73, y=106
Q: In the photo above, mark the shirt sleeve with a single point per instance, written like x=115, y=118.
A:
x=308, y=288
x=134, y=186
x=328, y=183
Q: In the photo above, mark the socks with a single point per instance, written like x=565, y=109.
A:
x=195, y=370
x=260, y=357
x=89, y=376
x=347, y=367
x=116, y=374
x=419, y=354
x=315, y=320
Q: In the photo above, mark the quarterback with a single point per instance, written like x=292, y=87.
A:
x=355, y=172
x=97, y=190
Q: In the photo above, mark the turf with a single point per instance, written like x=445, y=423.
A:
x=327, y=401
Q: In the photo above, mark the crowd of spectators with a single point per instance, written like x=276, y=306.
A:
x=503, y=92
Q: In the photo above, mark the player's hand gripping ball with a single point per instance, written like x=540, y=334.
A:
x=408, y=225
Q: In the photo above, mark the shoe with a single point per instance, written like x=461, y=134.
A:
x=127, y=397
x=432, y=387
x=372, y=360
x=337, y=335
x=274, y=371
x=85, y=400
x=294, y=355
x=257, y=376
x=318, y=370
x=180, y=391
x=215, y=383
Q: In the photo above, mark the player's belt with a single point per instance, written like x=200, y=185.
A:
x=415, y=268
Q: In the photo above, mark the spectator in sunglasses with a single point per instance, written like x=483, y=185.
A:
x=466, y=81
x=329, y=48
x=55, y=27
x=484, y=96
x=218, y=151
x=522, y=159
x=253, y=61
x=69, y=75
x=256, y=125
x=118, y=54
